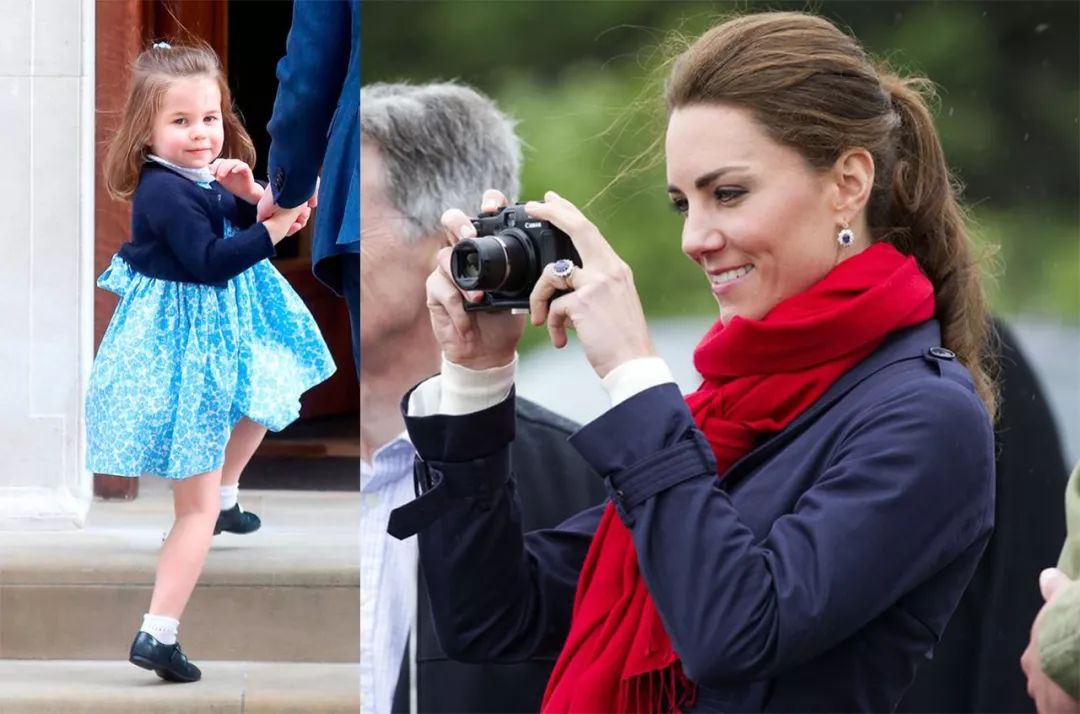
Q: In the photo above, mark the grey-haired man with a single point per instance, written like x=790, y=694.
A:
x=425, y=148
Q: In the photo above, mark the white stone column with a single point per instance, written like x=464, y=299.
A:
x=46, y=259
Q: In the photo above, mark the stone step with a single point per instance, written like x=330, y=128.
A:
x=288, y=593
x=85, y=687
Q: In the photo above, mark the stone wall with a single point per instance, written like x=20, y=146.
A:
x=46, y=251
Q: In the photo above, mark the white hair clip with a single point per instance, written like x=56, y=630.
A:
x=162, y=46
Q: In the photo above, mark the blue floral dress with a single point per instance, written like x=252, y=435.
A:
x=182, y=363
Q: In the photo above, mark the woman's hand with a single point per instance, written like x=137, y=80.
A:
x=237, y=178
x=603, y=307
x=477, y=340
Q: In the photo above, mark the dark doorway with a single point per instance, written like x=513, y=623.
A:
x=321, y=450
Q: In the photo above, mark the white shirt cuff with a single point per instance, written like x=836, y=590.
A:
x=635, y=376
x=459, y=390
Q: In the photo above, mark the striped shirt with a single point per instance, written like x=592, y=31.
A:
x=388, y=571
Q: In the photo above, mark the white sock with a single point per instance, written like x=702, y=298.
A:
x=161, y=628
x=229, y=495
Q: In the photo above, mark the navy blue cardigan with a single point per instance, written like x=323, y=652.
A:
x=177, y=230
x=815, y=577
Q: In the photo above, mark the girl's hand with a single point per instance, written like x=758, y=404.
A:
x=237, y=178
x=267, y=207
x=603, y=306
x=477, y=340
x=282, y=223
x=301, y=219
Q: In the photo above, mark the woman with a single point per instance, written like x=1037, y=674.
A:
x=795, y=534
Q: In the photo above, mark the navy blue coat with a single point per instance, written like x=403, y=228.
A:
x=315, y=128
x=553, y=483
x=177, y=229
x=814, y=577
x=974, y=666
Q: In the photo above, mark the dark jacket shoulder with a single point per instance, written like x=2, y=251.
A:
x=993, y=620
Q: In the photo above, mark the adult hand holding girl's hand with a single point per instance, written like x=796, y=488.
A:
x=477, y=340
x=284, y=222
x=603, y=307
x=237, y=178
x=267, y=208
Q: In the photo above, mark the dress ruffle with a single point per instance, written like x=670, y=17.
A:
x=182, y=363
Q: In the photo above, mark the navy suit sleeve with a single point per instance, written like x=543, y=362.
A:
x=310, y=77
x=904, y=494
x=496, y=593
x=186, y=226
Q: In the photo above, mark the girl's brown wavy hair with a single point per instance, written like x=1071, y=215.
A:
x=153, y=71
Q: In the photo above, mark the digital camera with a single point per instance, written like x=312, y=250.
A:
x=506, y=257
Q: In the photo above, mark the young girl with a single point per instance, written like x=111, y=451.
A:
x=209, y=346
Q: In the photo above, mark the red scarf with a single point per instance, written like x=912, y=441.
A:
x=758, y=376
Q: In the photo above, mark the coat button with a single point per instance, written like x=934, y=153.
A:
x=942, y=353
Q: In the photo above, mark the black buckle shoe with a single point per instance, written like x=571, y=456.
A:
x=167, y=661
x=236, y=520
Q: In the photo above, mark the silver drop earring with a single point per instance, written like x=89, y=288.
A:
x=846, y=236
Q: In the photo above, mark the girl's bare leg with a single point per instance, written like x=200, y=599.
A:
x=246, y=437
x=195, y=503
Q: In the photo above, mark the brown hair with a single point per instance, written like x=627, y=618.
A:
x=813, y=88
x=153, y=70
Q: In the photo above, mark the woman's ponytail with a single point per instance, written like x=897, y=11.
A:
x=923, y=218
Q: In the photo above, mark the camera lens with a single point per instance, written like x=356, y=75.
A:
x=501, y=262
x=471, y=268
x=466, y=265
